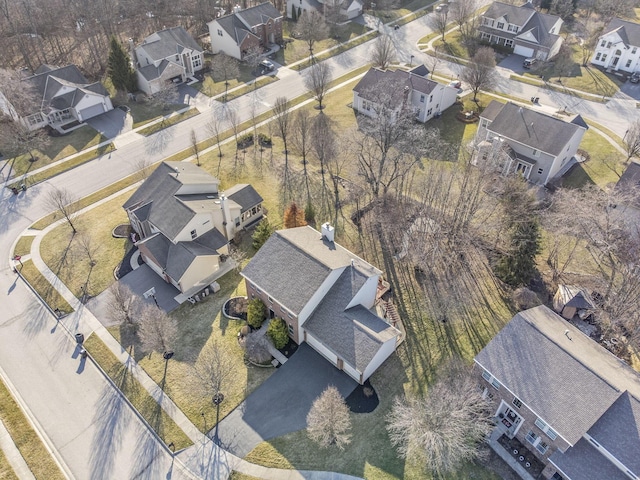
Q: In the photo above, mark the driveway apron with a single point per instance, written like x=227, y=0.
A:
x=280, y=405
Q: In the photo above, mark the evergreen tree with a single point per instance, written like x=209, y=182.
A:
x=518, y=266
x=278, y=332
x=122, y=75
x=294, y=216
x=262, y=233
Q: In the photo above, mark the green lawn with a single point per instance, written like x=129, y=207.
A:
x=58, y=148
x=197, y=325
x=145, y=112
x=603, y=168
x=67, y=257
x=26, y=439
x=144, y=403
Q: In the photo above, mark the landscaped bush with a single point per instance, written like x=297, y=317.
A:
x=278, y=332
x=256, y=313
x=257, y=349
x=264, y=139
x=245, y=140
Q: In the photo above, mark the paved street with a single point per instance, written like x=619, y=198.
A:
x=95, y=434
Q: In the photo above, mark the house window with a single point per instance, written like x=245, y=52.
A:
x=634, y=50
x=486, y=375
x=237, y=221
x=546, y=429
x=177, y=58
x=604, y=57
x=429, y=112
x=513, y=28
x=258, y=291
x=540, y=170
x=542, y=447
x=508, y=43
x=531, y=437
x=488, y=22
x=598, y=56
x=608, y=44
x=489, y=378
x=516, y=402
x=523, y=169
x=421, y=98
x=196, y=61
x=290, y=328
x=603, y=43
x=535, y=153
x=270, y=300
x=557, y=476
x=628, y=64
x=219, y=32
x=430, y=98
x=194, y=234
x=501, y=25
x=366, y=105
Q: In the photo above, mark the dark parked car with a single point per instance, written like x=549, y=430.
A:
x=635, y=77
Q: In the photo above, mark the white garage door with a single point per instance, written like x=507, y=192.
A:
x=321, y=349
x=92, y=111
x=524, y=51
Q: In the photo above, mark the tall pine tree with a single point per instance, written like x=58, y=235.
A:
x=122, y=75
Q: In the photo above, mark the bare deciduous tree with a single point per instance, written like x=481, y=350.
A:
x=195, y=148
x=302, y=124
x=89, y=248
x=324, y=146
x=438, y=21
x=384, y=52
x=317, y=79
x=21, y=95
x=17, y=139
x=215, y=127
x=312, y=28
x=631, y=140
x=63, y=201
x=463, y=15
x=328, y=421
x=281, y=112
x=226, y=67
x=590, y=32
x=446, y=427
x=157, y=331
x=212, y=370
x=123, y=306
x=480, y=71
x=143, y=166
x=434, y=59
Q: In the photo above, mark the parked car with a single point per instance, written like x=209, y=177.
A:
x=456, y=84
x=267, y=66
x=529, y=62
x=635, y=77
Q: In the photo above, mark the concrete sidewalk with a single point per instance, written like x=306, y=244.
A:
x=13, y=455
x=204, y=459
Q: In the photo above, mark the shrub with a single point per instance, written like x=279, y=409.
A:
x=245, y=140
x=278, y=333
x=257, y=349
x=264, y=140
x=256, y=313
x=262, y=233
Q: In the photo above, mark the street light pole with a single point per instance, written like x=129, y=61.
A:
x=411, y=61
x=217, y=400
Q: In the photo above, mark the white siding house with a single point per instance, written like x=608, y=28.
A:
x=618, y=48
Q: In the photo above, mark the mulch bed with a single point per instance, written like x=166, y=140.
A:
x=289, y=349
x=125, y=265
x=363, y=399
x=237, y=307
x=122, y=231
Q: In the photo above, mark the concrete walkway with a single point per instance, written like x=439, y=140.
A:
x=205, y=459
x=13, y=455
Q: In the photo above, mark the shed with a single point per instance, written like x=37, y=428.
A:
x=570, y=300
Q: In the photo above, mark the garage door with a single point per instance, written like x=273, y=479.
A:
x=92, y=111
x=321, y=349
x=524, y=51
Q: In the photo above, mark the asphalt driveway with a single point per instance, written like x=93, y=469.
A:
x=111, y=123
x=513, y=62
x=280, y=405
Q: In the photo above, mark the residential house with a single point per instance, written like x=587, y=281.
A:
x=166, y=56
x=520, y=140
x=184, y=223
x=348, y=9
x=618, y=48
x=66, y=99
x=236, y=33
x=426, y=97
x=571, y=403
x=530, y=33
x=325, y=294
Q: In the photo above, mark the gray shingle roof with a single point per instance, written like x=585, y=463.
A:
x=287, y=273
x=398, y=78
x=234, y=27
x=628, y=31
x=170, y=41
x=539, y=26
x=292, y=265
x=584, y=462
x=618, y=430
x=575, y=297
x=158, y=245
x=244, y=195
x=260, y=14
x=513, y=14
x=554, y=373
x=531, y=128
x=151, y=72
x=49, y=80
x=355, y=334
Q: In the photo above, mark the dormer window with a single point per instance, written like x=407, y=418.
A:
x=500, y=25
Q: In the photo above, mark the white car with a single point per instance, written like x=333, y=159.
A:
x=267, y=65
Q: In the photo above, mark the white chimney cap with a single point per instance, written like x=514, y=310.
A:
x=328, y=231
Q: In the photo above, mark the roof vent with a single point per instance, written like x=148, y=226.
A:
x=328, y=231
